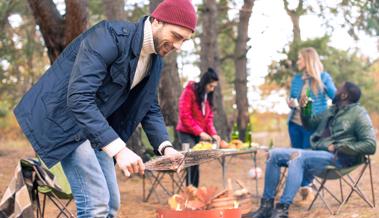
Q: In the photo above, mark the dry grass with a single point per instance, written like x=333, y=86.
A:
x=131, y=188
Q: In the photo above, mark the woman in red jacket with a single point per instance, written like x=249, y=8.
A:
x=196, y=116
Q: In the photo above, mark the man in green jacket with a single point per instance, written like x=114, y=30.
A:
x=342, y=136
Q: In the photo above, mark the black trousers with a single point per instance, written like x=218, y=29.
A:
x=193, y=173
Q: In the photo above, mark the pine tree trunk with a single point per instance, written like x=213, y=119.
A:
x=75, y=19
x=209, y=56
x=57, y=31
x=114, y=9
x=295, y=27
x=295, y=15
x=240, y=59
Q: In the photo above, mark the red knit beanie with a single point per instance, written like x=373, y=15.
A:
x=177, y=12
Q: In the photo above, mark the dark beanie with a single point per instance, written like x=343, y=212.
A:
x=177, y=12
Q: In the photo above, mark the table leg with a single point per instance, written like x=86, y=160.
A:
x=223, y=164
x=143, y=188
x=189, y=176
x=181, y=179
x=256, y=177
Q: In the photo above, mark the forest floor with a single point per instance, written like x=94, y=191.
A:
x=132, y=205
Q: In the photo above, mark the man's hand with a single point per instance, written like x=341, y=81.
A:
x=129, y=162
x=331, y=148
x=205, y=137
x=174, y=155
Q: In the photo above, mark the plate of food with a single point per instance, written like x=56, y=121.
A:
x=203, y=145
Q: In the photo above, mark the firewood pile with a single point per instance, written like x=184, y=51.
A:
x=191, y=158
x=208, y=198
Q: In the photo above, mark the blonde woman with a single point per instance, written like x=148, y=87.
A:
x=320, y=84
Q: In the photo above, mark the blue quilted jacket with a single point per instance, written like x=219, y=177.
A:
x=319, y=100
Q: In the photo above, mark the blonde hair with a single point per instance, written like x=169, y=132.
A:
x=313, y=68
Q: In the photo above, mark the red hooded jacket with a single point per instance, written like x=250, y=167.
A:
x=191, y=119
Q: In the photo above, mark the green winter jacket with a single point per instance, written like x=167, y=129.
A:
x=351, y=130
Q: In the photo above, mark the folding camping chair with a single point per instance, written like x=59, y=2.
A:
x=51, y=184
x=332, y=173
x=282, y=181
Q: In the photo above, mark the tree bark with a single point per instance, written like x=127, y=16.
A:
x=75, y=19
x=56, y=30
x=51, y=25
x=114, y=9
x=240, y=60
x=295, y=27
x=209, y=56
x=295, y=15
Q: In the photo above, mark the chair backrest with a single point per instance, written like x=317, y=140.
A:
x=60, y=179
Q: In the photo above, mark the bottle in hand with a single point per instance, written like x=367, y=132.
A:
x=307, y=110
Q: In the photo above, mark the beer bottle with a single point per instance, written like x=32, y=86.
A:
x=235, y=132
x=307, y=110
x=271, y=144
x=248, y=137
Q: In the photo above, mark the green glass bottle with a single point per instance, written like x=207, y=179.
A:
x=248, y=132
x=235, y=132
x=271, y=144
x=307, y=110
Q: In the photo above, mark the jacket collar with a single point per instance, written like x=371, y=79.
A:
x=344, y=108
x=138, y=36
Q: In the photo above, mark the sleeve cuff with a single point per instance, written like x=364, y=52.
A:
x=162, y=145
x=197, y=131
x=114, y=147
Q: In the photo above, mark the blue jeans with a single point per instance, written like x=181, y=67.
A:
x=300, y=138
x=306, y=161
x=92, y=177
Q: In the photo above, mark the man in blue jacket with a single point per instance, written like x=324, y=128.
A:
x=87, y=104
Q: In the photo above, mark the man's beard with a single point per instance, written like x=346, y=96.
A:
x=156, y=44
x=336, y=99
x=160, y=46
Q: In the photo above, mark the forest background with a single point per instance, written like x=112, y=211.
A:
x=255, y=75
